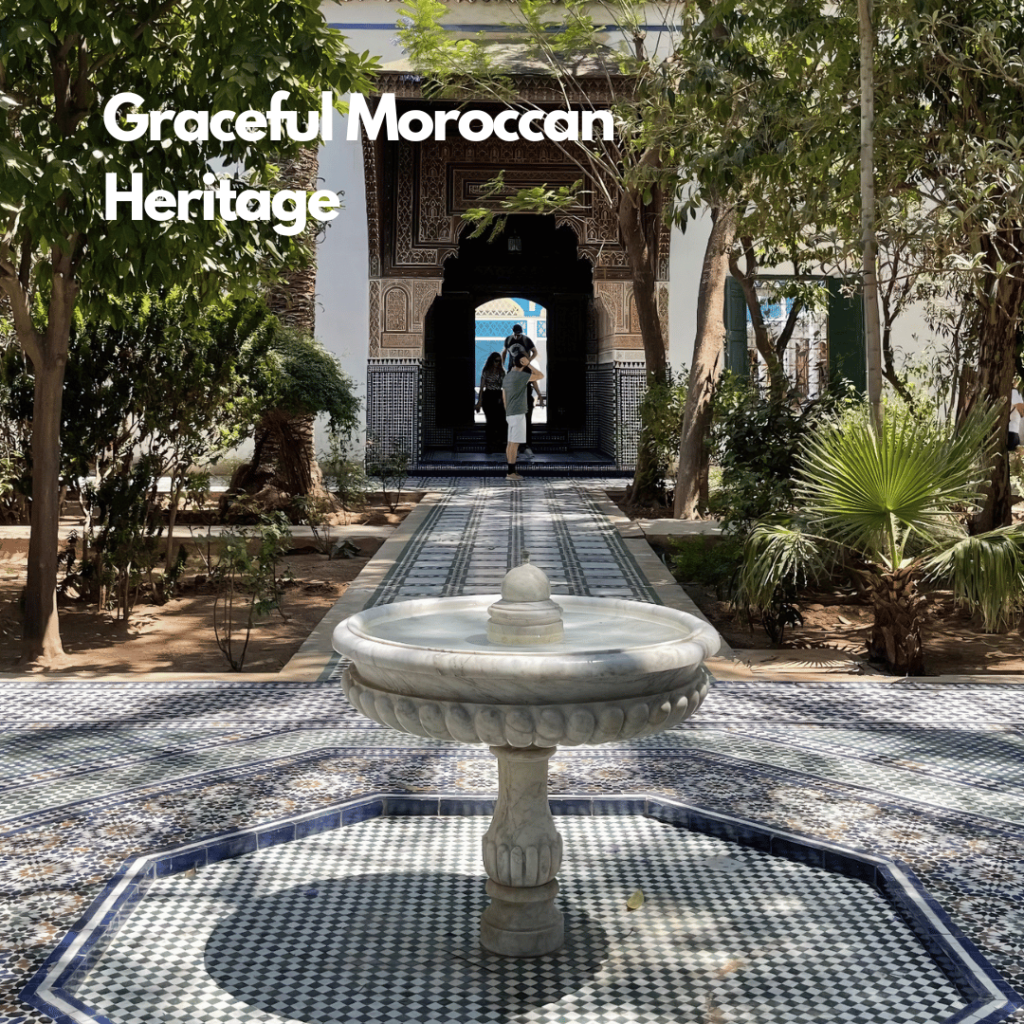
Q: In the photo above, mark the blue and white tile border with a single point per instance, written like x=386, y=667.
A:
x=52, y=988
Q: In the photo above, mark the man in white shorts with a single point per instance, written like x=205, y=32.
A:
x=513, y=392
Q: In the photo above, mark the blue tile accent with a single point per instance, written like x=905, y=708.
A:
x=362, y=810
x=619, y=805
x=415, y=805
x=465, y=806
x=671, y=814
x=731, y=831
x=231, y=846
x=574, y=805
x=278, y=834
x=847, y=864
x=320, y=823
x=173, y=863
x=793, y=849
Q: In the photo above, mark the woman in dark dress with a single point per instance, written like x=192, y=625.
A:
x=489, y=399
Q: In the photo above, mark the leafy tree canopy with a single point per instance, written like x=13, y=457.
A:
x=307, y=379
x=61, y=60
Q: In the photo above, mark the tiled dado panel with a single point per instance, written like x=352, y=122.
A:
x=392, y=407
x=630, y=384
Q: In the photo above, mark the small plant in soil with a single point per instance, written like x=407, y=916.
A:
x=248, y=578
x=316, y=513
x=391, y=470
x=346, y=477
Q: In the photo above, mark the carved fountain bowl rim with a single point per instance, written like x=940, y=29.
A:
x=690, y=629
x=485, y=672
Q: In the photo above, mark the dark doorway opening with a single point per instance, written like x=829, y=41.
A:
x=537, y=260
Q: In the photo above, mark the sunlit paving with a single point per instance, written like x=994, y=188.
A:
x=511, y=512
x=845, y=847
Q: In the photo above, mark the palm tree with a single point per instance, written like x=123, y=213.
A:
x=284, y=463
x=889, y=505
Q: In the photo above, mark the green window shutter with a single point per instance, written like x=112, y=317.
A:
x=846, y=347
x=735, y=328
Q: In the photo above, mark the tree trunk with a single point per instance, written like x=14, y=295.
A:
x=707, y=364
x=896, y=633
x=293, y=299
x=49, y=354
x=777, y=382
x=284, y=457
x=869, y=240
x=639, y=228
x=283, y=464
x=1001, y=303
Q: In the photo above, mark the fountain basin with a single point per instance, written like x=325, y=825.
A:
x=622, y=670
x=524, y=675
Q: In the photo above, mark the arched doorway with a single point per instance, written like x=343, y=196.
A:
x=493, y=323
x=534, y=264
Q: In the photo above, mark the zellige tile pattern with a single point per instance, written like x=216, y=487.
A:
x=92, y=773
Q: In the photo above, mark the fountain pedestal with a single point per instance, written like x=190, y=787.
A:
x=525, y=675
x=522, y=852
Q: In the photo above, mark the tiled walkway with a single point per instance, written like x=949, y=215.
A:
x=930, y=774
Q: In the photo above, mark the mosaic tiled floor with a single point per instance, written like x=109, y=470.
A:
x=724, y=930
x=931, y=774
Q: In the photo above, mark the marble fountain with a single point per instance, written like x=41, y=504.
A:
x=523, y=675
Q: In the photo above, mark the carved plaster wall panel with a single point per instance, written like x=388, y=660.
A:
x=410, y=341
x=374, y=315
x=423, y=295
x=469, y=184
x=371, y=177
x=396, y=308
x=405, y=354
x=629, y=341
x=435, y=182
x=610, y=295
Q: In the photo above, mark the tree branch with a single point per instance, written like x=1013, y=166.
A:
x=21, y=311
x=163, y=10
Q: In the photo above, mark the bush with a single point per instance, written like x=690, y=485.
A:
x=661, y=418
x=249, y=582
x=706, y=561
x=345, y=477
x=390, y=470
x=756, y=440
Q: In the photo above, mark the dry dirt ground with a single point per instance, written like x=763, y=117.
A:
x=953, y=641
x=178, y=636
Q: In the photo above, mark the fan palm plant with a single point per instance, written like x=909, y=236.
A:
x=890, y=507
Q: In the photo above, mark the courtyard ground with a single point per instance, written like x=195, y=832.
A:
x=923, y=775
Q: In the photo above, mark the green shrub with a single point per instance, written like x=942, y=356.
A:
x=661, y=418
x=755, y=440
x=249, y=582
x=706, y=561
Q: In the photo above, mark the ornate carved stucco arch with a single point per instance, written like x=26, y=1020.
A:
x=416, y=195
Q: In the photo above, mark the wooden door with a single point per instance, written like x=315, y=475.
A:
x=566, y=351
x=453, y=336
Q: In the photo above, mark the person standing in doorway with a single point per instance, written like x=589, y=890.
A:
x=1016, y=408
x=514, y=387
x=490, y=400
x=518, y=344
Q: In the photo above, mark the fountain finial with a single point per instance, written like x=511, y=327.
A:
x=525, y=614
